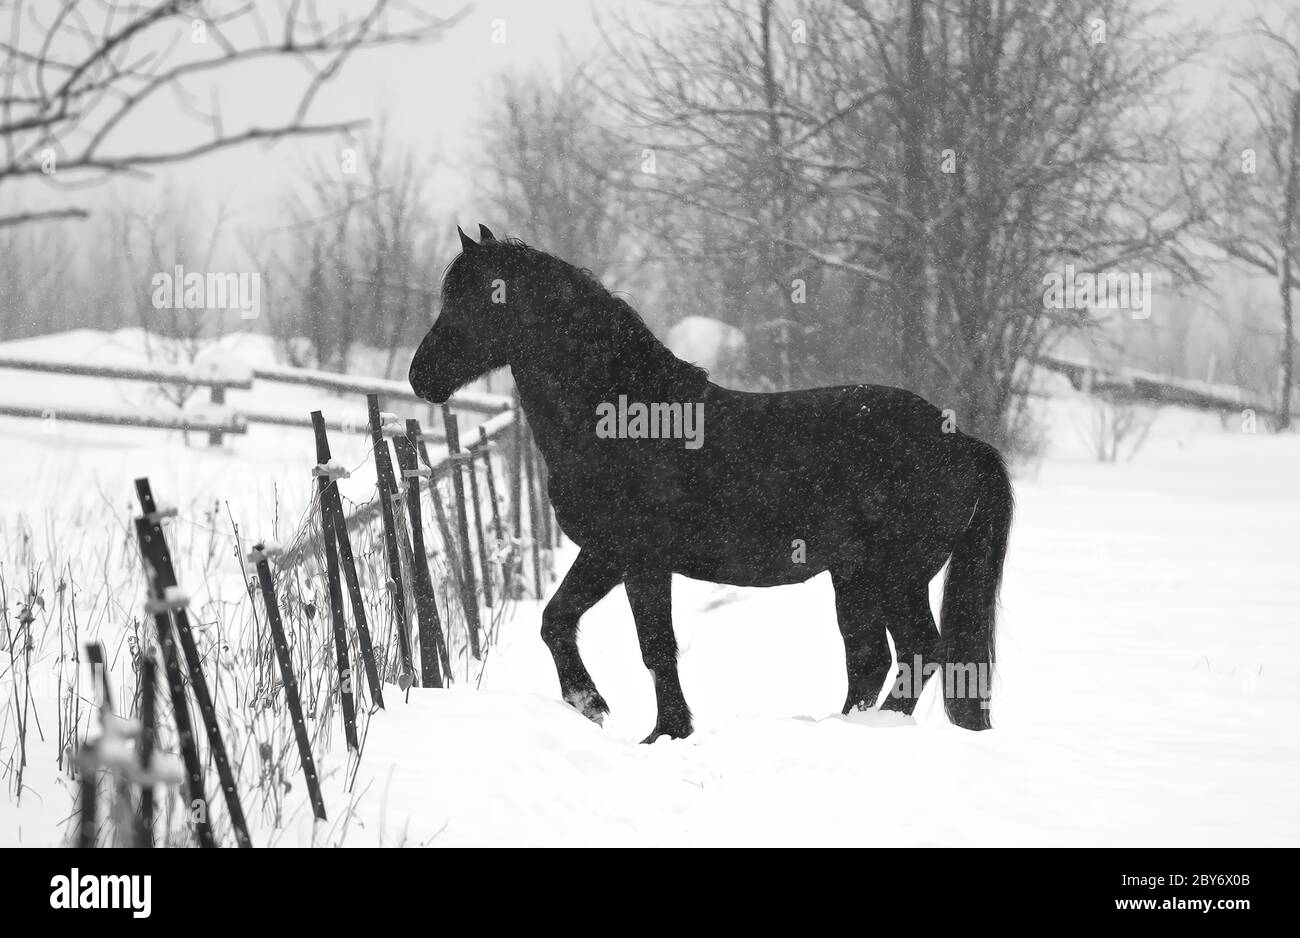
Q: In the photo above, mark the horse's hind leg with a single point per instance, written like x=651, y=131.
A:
x=916, y=640
x=861, y=613
x=592, y=576
x=650, y=595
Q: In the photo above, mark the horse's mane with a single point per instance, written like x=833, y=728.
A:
x=650, y=363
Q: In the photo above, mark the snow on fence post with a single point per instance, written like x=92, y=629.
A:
x=88, y=758
x=432, y=644
x=516, y=472
x=409, y=449
x=534, y=510
x=408, y=559
x=544, y=505
x=420, y=455
x=387, y=490
x=552, y=519
x=507, y=565
x=106, y=753
x=150, y=538
x=148, y=680
x=291, y=698
x=480, y=535
x=451, y=548
x=176, y=604
x=349, y=564
x=444, y=529
x=469, y=598
x=218, y=399
x=325, y=472
x=88, y=781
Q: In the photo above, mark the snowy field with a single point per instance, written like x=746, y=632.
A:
x=1149, y=662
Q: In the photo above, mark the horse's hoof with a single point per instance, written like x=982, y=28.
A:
x=969, y=714
x=590, y=704
x=671, y=734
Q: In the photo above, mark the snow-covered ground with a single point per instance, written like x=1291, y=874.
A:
x=1149, y=669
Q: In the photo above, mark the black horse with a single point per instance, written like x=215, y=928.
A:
x=654, y=470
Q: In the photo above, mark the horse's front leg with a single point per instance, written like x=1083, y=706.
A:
x=650, y=595
x=592, y=575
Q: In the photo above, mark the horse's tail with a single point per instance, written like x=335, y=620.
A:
x=970, y=594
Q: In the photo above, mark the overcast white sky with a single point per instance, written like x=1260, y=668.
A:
x=432, y=94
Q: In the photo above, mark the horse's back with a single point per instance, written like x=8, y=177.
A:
x=806, y=427
x=823, y=472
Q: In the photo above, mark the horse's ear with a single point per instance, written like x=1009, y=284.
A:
x=466, y=242
x=485, y=234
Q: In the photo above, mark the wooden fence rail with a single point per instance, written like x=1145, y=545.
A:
x=213, y=421
x=476, y=401
x=366, y=513
x=196, y=375
x=216, y=419
x=1135, y=384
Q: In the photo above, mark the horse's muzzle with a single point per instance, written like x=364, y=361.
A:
x=423, y=374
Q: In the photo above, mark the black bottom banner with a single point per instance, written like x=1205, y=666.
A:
x=219, y=888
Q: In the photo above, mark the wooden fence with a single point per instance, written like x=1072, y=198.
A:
x=129, y=788
x=1127, y=383
x=216, y=419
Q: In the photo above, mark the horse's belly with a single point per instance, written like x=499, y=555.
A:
x=766, y=551
x=704, y=547
x=737, y=573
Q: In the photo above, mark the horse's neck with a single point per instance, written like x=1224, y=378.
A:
x=560, y=399
x=561, y=386
x=559, y=418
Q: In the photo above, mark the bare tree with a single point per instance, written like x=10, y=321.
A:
x=158, y=238
x=558, y=176
x=719, y=106
x=362, y=254
x=934, y=160
x=1259, y=186
x=1118, y=426
x=38, y=286
x=74, y=75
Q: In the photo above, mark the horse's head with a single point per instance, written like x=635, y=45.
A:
x=504, y=303
x=471, y=335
